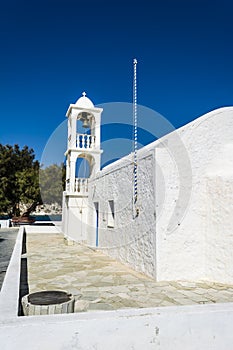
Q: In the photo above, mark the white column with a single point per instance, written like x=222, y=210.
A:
x=97, y=130
x=73, y=131
x=67, y=174
x=72, y=171
x=69, y=133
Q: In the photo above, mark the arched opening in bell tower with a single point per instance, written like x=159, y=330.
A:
x=85, y=130
x=83, y=171
x=82, y=168
x=84, y=165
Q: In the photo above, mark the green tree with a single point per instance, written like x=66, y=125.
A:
x=52, y=183
x=19, y=179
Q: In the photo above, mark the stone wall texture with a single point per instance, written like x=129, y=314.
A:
x=131, y=240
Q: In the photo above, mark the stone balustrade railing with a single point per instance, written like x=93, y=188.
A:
x=85, y=141
x=81, y=185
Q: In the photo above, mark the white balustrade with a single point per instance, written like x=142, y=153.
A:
x=85, y=141
x=81, y=185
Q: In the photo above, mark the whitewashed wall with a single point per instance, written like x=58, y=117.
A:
x=5, y=223
x=219, y=230
x=132, y=238
x=175, y=236
x=184, y=252
x=207, y=327
x=74, y=218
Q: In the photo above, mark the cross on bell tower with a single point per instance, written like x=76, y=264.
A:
x=83, y=145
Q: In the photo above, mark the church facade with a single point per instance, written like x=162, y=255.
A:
x=180, y=227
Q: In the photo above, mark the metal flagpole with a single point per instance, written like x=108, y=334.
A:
x=135, y=148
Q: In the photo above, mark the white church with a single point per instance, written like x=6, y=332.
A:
x=180, y=226
x=166, y=212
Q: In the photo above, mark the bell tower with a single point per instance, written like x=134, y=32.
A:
x=83, y=157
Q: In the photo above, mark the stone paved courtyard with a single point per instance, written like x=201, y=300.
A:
x=101, y=283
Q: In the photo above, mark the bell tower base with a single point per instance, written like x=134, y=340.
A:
x=74, y=218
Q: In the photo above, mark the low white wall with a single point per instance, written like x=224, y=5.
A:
x=206, y=327
x=9, y=294
x=5, y=223
x=43, y=229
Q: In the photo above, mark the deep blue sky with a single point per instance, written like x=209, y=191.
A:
x=52, y=50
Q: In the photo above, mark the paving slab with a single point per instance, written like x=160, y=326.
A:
x=99, y=282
